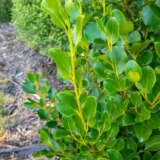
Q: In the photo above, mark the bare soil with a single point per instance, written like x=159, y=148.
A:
x=18, y=125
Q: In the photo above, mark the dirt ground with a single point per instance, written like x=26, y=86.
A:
x=18, y=125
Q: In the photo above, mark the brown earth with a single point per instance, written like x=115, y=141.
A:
x=18, y=125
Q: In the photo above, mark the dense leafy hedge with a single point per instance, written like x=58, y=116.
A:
x=113, y=112
x=5, y=10
x=35, y=27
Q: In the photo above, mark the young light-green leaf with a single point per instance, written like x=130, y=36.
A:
x=68, y=5
x=62, y=61
x=112, y=30
x=133, y=71
x=126, y=27
x=79, y=28
x=55, y=10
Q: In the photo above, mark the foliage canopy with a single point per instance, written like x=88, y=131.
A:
x=35, y=27
x=113, y=112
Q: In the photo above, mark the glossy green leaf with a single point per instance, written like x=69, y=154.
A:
x=65, y=110
x=148, y=79
x=28, y=105
x=51, y=124
x=119, y=16
x=69, y=123
x=128, y=120
x=68, y=98
x=157, y=48
x=114, y=155
x=68, y=5
x=112, y=30
x=43, y=114
x=111, y=85
x=158, y=3
x=92, y=32
x=133, y=71
x=151, y=16
x=120, y=58
x=74, y=12
x=120, y=144
x=126, y=27
x=138, y=47
x=145, y=58
x=100, y=25
x=31, y=77
x=143, y=114
x=77, y=32
x=143, y=131
x=67, y=103
x=136, y=99
x=156, y=156
x=44, y=135
x=56, y=11
x=89, y=108
x=147, y=156
x=60, y=133
x=100, y=69
x=62, y=61
x=131, y=144
x=29, y=87
x=113, y=130
x=56, y=146
x=153, y=144
x=134, y=37
x=154, y=121
x=79, y=125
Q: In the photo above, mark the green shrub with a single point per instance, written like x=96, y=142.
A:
x=113, y=112
x=35, y=27
x=5, y=10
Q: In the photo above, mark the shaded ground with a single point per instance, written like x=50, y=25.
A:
x=19, y=126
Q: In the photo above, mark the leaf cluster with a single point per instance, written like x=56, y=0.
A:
x=112, y=112
x=5, y=10
x=35, y=27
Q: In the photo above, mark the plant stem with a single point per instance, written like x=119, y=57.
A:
x=75, y=138
x=73, y=57
x=113, y=65
x=127, y=48
x=81, y=7
x=145, y=97
x=104, y=7
x=156, y=98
